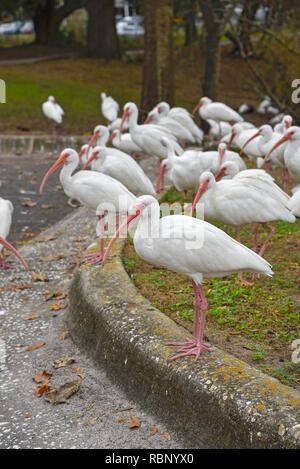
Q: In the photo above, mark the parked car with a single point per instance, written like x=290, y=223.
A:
x=27, y=28
x=130, y=26
x=11, y=28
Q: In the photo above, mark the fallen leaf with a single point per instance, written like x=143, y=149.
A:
x=30, y=316
x=167, y=436
x=29, y=203
x=27, y=416
x=79, y=240
x=18, y=287
x=57, y=294
x=75, y=369
x=34, y=347
x=44, y=376
x=45, y=206
x=42, y=388
x=154, y=431
x=40, y=278
x=121, y=420
x=57, y=306
x=81, y=375
x=63, y=336
x=54, y=258
x=64, y=361
x=93, y=419
x=45, y=238
x=61, y=394
x=134, y=422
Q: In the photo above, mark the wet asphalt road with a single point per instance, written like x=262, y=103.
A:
x=20, y=179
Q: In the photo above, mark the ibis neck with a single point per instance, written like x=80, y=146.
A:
x=148, y=224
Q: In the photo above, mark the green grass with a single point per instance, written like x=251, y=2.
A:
x=257, y=323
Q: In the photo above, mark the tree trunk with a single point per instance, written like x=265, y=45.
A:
x=212, y=62
x=102, y=39
x=158, y=74
x=189, y=23
x=42, y=19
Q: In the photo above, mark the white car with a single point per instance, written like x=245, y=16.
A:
x=130, y=26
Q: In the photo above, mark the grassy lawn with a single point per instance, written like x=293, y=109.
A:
x=77, y=82
x=257, y=324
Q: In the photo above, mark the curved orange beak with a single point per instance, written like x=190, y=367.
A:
x=220, y=174
x=201, y=190
x=138, y=210
x=124, y=117
x=250, y=140
x=221, y=154
x=81, y=153
x=197, y=107
x=7, y=245
x=149, y=119
x=111, y=137
x=284, y=139
x=92, y=158
x=231, y=139
x=93, y=139
x=60, y=162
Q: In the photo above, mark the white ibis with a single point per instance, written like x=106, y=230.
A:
x=216, y=111
x=291, y=152
x=240, y=136
x=54, y=112
x=185, y=170
x=284, y=125
x=95, y=190
x=294, y=204
x=109, y=107
x=241, y=201
x=122, y=167
x=123, y=142
x=191, y=247
x=6, y=211
x=184, y=117
x=267, y=139
x=182, y=134
x=148, y=136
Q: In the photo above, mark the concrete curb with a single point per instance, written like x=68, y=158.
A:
x=217, y=402
x=29, y=144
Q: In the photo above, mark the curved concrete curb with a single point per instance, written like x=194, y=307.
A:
x=217, y=402
x=29, y=144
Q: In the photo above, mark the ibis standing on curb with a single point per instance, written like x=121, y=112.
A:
x=191, y=247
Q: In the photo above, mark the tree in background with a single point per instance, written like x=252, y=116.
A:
x=158, y=70
x=102, y=39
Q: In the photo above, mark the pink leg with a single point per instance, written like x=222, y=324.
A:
x=3, y=264
x=194, y=347
x=98, y=257
x=286, y=180
x=240, y=274
x=255, y=239
x=271, y=232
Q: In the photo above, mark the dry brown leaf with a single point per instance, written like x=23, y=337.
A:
x=93, y=419
x=134, y=422
x=34, y=347
x=121, y=420
x=30, y=316
x=154, y=431
x=64, y=361
x=18, y=287
x=27, y=416
x=75, y=369
x=45, y=206
x=81, y=375
x=167, y=436
x=42, y=388
x=63, y=336
x=40, y=278
x=45, y=238
x=58, y=306
x=44, y=376
x=61, y=394
x=29, y=203
x=79, y=240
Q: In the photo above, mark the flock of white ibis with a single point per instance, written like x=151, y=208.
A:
x=105, y=177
